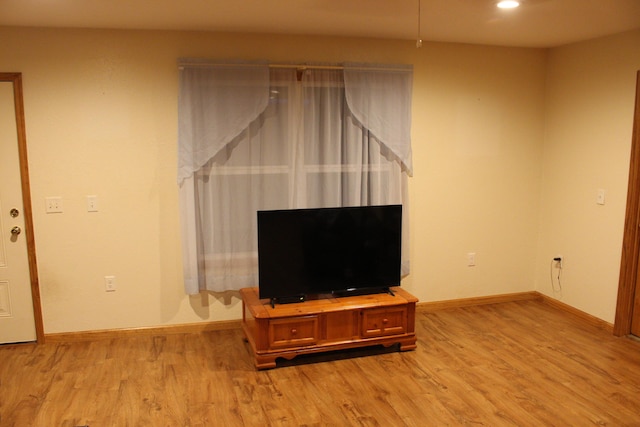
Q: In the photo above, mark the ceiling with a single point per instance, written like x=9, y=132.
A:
x=536, y=23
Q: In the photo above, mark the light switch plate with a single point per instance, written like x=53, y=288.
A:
x=92, y=203
x=53, y=204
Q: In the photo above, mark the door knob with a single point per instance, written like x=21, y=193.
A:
x=16, y=230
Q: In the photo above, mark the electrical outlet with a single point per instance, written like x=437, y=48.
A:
x=471, y=259
x=110, y=283
x=558, y=260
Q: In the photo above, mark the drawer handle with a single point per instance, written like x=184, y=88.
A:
x=385, y=321
x=294, y=331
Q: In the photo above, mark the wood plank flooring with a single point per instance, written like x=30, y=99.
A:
x=511, y=364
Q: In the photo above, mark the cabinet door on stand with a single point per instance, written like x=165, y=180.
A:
x=378, y=322
x=293, y=332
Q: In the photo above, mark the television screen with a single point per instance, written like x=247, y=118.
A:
x=328, y=250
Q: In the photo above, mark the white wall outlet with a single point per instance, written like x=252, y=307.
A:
x=53, y=204
x=471, y=259
x=110, y=283
x=92, y=203
x=600, y=197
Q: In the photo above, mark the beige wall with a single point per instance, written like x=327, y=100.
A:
x=477, y=126
x=588, y=126
x=101, y=119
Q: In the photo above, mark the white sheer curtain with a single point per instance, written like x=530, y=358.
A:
x=305, y=148
x=389, y=120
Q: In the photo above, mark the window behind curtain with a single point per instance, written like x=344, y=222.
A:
x=304, y=150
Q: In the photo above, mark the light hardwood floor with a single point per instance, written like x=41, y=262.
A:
x=514, y=364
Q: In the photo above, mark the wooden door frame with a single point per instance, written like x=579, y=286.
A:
x=16, y=79
x=631, y=239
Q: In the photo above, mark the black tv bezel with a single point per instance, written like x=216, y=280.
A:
x=337, y=291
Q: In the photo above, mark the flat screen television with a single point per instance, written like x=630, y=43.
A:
x=345, y=250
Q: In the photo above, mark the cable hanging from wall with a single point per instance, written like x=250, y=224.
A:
x=556, y=263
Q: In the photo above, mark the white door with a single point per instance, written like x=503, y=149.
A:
x=17, y=321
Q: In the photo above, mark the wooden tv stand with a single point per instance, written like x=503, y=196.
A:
x=328, y=323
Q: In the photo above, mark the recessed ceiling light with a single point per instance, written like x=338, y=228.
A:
x=508, y=4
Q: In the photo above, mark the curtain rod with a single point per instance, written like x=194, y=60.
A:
x=339, y=67
x=300, y=67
